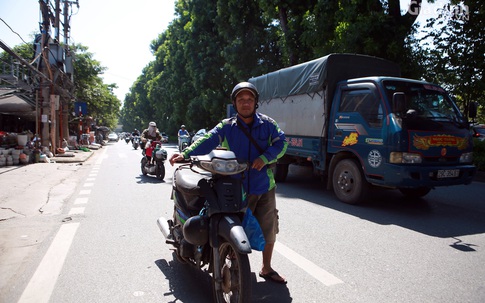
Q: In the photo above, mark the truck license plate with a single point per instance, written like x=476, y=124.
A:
x=448, y=173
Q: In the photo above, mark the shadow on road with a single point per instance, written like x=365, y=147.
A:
x=186, y=284
x=142, y=179
x=445, y=212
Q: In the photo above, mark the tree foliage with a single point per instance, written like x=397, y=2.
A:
x=455, y=50
x=101, y=101
x=213, y=44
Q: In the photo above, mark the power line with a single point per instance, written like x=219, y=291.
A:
x=13, y=30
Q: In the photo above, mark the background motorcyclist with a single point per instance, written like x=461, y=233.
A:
x=182, y=132
x=134, y=134
x=151, y=133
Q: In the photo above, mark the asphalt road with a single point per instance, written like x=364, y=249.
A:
x=100, y=243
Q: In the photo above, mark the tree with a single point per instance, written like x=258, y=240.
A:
x=101, y=101
x=455, y=51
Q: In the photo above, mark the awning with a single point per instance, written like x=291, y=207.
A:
x=14, y=102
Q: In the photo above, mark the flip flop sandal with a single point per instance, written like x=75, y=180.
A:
x=269, y=276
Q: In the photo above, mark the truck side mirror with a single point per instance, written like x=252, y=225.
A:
x=399, y=102
x=472, y=110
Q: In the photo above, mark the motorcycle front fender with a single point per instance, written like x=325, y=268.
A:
x=231, y=229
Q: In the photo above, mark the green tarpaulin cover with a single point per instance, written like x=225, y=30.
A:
x=313, y=76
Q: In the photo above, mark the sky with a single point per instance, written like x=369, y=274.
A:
x=117, y=32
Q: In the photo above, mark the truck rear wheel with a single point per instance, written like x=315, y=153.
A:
x=281, y=172
x=348, y=182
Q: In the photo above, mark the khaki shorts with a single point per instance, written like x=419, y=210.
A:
x=264, y=209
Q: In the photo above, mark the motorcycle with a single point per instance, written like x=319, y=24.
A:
x=152, y=162
x=136, y=142
x=127, y=139
x=184, y=142
x=206, y=230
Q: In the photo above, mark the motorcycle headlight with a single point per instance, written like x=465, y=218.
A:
x=223, y=167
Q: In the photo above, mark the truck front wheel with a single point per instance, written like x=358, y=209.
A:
x=348, y=182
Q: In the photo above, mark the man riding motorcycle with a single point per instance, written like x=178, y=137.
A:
x=151, y=133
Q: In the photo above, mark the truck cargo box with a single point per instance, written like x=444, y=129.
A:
x=295, y=96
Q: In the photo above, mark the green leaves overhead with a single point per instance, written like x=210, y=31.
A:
x=213, y=44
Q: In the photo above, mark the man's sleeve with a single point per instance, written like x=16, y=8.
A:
x=207, y=143
x=277, y=145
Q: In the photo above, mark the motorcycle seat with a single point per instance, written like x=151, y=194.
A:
x=187, y=181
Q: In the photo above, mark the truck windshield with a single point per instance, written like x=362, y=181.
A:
x=424, y=101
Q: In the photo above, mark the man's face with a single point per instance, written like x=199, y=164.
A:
x=245, y=104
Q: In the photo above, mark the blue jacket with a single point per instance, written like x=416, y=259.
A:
x=269, y=137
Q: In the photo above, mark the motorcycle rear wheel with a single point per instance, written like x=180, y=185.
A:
x=160, y=171
x=236, y=276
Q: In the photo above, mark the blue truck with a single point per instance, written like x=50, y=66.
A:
x=359, y=124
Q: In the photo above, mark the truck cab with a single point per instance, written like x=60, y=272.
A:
x=401, y=133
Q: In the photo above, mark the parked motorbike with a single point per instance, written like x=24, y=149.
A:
x=136, y=142
x=155, y=164
x=184, y=142
x=209, y=206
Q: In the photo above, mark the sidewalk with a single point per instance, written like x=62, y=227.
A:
x=34, y=183
x=32, y=198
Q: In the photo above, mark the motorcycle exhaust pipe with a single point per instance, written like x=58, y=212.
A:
x=164, y=228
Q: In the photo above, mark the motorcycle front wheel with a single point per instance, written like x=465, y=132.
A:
x=235, y=275
x=143, y=163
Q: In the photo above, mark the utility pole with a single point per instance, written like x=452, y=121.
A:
x=55, y=93
x=45, y=87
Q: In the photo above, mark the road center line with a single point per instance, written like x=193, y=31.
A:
x=42, y=283
x=311, y=268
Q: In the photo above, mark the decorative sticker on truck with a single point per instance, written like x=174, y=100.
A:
x=374, y=158
x=374, y=141
x=426, y=142
x=351, y=139
x=296, y=142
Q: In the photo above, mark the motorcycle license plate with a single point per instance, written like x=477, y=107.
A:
x=448, y=173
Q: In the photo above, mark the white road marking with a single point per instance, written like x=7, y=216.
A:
x=90, y=179
x=85, y=192
x=81, y=201
x=88, y=184
x=76, y=211
x=314, y=270
x=42, y=283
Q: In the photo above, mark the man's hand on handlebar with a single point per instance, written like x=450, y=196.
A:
x=176, y=158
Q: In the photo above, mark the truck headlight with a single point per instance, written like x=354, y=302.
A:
x=466, y=158
x=405, y=158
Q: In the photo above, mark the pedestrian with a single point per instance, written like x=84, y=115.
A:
x=257, y=139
